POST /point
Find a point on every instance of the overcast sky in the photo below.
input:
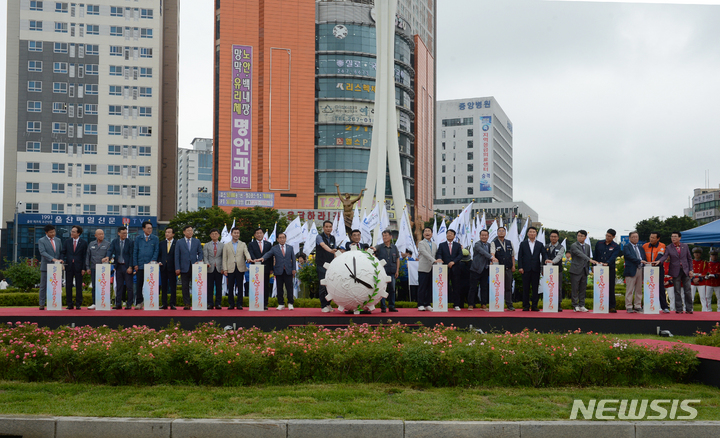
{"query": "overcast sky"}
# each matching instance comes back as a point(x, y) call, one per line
point(614, 106)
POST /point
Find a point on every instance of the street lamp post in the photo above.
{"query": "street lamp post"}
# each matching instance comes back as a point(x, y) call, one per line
point(15, 225)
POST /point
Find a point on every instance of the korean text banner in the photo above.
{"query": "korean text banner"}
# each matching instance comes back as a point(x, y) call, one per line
point(241, 118)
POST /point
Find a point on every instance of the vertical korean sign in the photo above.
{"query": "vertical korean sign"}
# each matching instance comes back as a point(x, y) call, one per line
point(199, 286)
point(551, 278)
point(652, 289)
point(257, 287)
point(497, 288)
point(102, 287)
point(241, 118)
point(439, 288)
point(151, 286)
point(601, 282)
point(54, 286)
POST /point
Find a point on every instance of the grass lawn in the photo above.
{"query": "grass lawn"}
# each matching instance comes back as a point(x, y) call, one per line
point(325, 401)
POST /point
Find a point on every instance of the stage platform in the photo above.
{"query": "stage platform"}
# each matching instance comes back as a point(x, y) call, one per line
point(621, 322)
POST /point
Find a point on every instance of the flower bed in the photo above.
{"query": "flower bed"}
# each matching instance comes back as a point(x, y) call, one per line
point(439, 356)
point(712, 339)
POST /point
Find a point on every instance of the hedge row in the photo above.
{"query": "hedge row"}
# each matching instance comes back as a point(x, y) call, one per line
point(439, 356)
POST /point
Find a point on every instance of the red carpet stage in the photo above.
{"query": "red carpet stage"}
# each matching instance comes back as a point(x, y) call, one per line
point(621, 322)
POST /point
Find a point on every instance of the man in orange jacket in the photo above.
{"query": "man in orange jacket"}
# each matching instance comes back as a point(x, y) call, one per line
point(655, 249)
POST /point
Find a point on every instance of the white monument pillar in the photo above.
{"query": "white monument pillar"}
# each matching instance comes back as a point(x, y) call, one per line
point(384, 149)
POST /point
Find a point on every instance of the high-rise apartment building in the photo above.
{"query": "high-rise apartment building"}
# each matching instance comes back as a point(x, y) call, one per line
point(91, 114)
point(195, 171)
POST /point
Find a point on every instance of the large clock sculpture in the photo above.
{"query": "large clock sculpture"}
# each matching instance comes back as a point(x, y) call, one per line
point(356, 280)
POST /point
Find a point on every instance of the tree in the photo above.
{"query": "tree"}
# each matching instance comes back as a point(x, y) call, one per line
point(664, 227)
point(202, 222)
point(247, 219)
point(23, 275)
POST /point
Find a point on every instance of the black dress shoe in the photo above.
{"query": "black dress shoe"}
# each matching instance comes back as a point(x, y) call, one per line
point(559, 309)
point(186, 308)
point(689, 311)
point(526, 309)
point(231, 307)
point(535, 309)
point(383, 310)
point(117, 307)
point(612, 310)
point(69, 308)
point(511, 309)
point(164, 308)
point(239, 307)
point(42, 307)
point(128, 308)
point(265, 308)
point(172, 307)
point(678, 311)
point(218, 307)
point(392, 309)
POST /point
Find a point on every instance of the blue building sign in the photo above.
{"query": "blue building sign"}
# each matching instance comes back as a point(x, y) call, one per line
point(84, 220)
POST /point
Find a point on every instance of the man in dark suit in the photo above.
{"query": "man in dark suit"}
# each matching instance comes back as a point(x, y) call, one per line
point(284, 269)
point(680, 270)
point(257, 249)
point(74, 251)
point(451, 253)
point(188, 251)
point(50, 252)
point(579, 271)
point(531, 257)
point(479, 272)
point(168, 278)
point(121, 250)
point(634, 261)
point(555, 252)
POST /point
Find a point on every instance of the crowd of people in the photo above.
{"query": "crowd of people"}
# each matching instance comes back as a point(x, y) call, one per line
point(469, 274)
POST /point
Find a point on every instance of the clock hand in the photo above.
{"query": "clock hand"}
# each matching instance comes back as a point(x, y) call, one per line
point(363, 283)
point(351, 273)
point(354, 267)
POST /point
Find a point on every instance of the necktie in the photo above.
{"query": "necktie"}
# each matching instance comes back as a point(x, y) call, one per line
point(146, 237)
point(52, 241)
point(74, 245)
point(188, 243)
point(120, 257)
point(637, 252)
point(283, 250)
point(168, 246)
point(450, 247)
point(215, 249)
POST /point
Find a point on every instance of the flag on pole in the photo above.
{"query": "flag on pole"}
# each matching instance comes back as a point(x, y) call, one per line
point(435, 230)
point(294, 234)
point(356, 219)
point(493, 231)
point(442, 232)
point(224, 235)
point(369, 223)
point(273, 236)
point(382, 225)
point(405, 238)
point(339, 229)
point(483, 224)
point(227, 235)
point(501, 222)
point(512, 236)
point(541, 236)
point(521, 235)
point(312, 234)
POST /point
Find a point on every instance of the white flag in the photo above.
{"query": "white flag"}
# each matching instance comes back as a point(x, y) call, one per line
point(356, 219)
point(442, 232)
point(310, 240)
point(435, 230)
point(564, 244)
point(501, 222)
point(493, 231)
point(521, 235)
point(405, 238)
point(294, 234)
point(512, 236)
point(339, 230)
point(383, 225)
point(369, 223)
point(273, 236)
point(227, 235)
point(541, 236)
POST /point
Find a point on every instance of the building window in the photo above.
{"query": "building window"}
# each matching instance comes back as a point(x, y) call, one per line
point(469, 190)
point(60, 87)
point(146, 13)
point(32, 207)
point(145, 131)
point(34, 126)
point(34, 106)
point(144, 170)
point(92, 49)
point(60, 67)
point(443, 192)
point(57, 208)
point(58, 167)
point(116, 70)
point(35, 86)
point(470, 144)
point(91, 169)
point(91, 109)
point(61, 27)
point(143, 190)
point(113, 189)
point(146, 72)
point(36, 5)
point(93, 29)
point(32, 187)
point(116, 31)
point(59, 108)
point(59, 148)
point(89, 189)
point(115, 90)
point(113, 169)
point(35, 66)
point(470, 179)
point(469, 132)
point(146, 33)
point(443, 180)
point(32, 146)
point(145, 52)
point(91, 89)
point(145, 91)
point(145, 111)
point(93, 10)
point(116, 11)
point(114, 130)
point(91, 69)
point(143, 210)
point(145, 151)
point(115, 110)
point(469, 167)
point(469, 155)
point(443, 168)
point(35, 46)
point(113, 209)
point(60, 48)
point(58, 188)
point(114, 149)
point(59, 128)
point(88, 209)
point(36, 25)
point(443, 157)
point(116, 51)
point(61, 7)
point(91, 129)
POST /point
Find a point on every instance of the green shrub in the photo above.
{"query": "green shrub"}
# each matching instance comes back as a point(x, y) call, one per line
point(22, 275)
point(712, 339)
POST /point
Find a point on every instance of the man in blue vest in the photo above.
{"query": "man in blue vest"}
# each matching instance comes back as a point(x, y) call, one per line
point(503, 253)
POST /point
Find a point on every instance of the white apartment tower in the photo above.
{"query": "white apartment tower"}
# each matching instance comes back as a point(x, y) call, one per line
point(474, 153)
point(91, 108)
point(195, 175)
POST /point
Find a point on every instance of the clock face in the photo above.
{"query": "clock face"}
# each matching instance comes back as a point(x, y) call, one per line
point(340, 31)
point(348, 293)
